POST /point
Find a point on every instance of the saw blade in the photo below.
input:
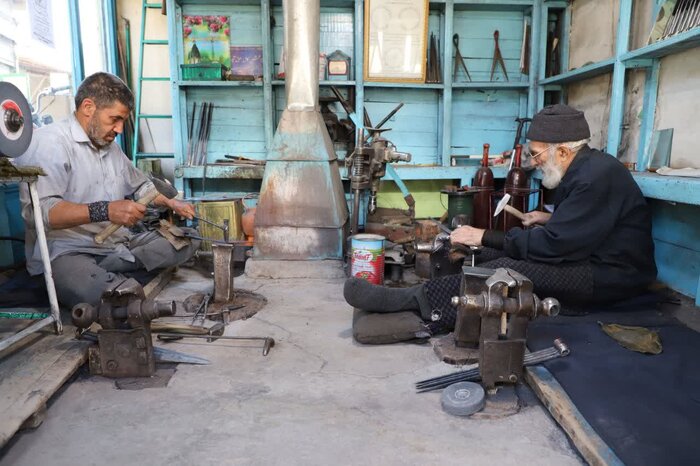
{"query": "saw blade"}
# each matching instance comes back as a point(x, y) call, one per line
point(15, 121)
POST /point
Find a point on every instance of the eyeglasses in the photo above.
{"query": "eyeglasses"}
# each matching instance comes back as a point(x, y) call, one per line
point(532, 156)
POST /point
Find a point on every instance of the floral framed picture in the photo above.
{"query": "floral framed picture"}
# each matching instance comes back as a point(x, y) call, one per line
point(206, 39)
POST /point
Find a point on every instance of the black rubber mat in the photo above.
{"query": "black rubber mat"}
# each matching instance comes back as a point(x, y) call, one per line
point(645, 407)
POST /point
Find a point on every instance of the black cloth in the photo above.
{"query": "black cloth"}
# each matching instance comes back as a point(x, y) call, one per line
point(558, 123)
point(571, 283)
point(645, 407)
point(600, 216)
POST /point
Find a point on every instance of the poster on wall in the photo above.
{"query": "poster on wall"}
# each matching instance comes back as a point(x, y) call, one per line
point(206, 39)
point(396, 33)
point(40, 21)
point(246, 60)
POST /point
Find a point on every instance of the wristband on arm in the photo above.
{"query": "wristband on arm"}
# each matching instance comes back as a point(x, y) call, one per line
point(99, 211)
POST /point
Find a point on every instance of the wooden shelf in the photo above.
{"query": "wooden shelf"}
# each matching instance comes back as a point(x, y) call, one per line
point(491, 85)
point(405, 85)
point(579, 74)
point(678, 43)
point(219, 83)
point(249, 172)
point(683, 189)
point(407, 172)
point(493, 5)
point(280, 82)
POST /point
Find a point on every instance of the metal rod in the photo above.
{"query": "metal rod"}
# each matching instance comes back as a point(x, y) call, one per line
point(9, 341)
point(559, 349)
point(269, 341)
point(391, 114)
point(45, 258)
point(354, 226)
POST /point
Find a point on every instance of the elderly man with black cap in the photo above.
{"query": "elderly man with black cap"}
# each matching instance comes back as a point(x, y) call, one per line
point(595, 247)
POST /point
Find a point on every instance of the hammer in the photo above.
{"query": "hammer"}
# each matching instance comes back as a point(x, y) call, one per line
point(503, 205)
point(160, 187)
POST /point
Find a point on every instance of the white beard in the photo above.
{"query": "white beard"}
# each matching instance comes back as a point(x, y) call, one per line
point(552, 173)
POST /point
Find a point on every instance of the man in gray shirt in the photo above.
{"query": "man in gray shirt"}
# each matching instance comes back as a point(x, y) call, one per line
point(88, 178)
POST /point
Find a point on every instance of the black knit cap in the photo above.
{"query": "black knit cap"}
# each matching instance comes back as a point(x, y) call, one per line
point(558, 123)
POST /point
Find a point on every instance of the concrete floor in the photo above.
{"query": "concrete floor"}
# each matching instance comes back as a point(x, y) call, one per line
point(318, 398)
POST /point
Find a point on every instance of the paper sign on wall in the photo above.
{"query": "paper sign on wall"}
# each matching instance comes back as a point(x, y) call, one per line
point(40, 21)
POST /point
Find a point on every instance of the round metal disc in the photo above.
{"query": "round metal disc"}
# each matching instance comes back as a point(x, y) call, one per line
point(14, 137)
point(463, 399)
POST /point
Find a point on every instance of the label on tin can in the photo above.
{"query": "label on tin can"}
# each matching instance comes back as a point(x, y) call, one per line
point(368, 264)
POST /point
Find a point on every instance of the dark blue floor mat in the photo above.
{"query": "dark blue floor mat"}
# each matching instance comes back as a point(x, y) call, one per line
point(645, 407)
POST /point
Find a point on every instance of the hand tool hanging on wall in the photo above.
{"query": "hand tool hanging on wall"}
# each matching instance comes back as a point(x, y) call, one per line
point(459, 60)
point(190, 135)
point(497, 57)
point(434, 73)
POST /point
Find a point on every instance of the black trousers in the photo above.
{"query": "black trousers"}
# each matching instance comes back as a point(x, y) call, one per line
point(570, 283)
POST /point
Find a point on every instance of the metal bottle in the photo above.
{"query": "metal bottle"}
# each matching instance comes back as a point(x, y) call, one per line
point(517, 185)
point(483, 183)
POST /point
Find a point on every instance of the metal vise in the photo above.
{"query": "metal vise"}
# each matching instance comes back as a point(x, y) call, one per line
point(124, 345)
point(495, 314)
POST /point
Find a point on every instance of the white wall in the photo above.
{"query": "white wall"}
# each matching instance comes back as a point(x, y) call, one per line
point(593, 30)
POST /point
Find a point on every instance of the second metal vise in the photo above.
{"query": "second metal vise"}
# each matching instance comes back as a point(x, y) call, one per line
point(124, 345)
point(494, 314)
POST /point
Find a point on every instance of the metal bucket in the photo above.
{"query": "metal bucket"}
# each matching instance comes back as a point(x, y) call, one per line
point(217, 211)
point(367, 258)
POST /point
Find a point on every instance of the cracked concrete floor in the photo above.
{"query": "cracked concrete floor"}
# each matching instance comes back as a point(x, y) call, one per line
point(318, 398)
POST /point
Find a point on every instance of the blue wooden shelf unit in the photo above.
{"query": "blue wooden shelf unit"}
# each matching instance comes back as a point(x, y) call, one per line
point(438, 120)
point(674, 200)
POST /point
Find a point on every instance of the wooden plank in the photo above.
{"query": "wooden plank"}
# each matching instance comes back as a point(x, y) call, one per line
point(593, 449)
point(29, 377)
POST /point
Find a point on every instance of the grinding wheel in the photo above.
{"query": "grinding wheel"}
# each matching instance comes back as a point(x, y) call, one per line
point(15, 121)
point(463, 399)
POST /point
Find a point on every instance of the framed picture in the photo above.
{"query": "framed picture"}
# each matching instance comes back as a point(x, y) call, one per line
point(206, 40)
point(246, 60)
point(396, 37)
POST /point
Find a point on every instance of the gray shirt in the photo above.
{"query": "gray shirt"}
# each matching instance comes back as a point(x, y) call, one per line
point(77, 172)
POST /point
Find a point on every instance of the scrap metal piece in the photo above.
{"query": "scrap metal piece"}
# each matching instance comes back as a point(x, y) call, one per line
point(268, 342)
point(223, 272)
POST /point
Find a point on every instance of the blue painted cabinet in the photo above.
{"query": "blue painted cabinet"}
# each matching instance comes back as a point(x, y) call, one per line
point(437, 120)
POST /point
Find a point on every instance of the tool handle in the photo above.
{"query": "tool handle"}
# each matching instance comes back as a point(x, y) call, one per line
point(513, 211)
point(109, 231)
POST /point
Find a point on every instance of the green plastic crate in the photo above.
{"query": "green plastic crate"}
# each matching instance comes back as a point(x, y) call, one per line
point(202, 72)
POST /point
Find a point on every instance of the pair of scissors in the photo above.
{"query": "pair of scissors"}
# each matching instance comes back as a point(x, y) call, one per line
point(458, 60)
point(497, 57)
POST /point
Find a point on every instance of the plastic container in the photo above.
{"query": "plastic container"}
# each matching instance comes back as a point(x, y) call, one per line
point(202, 72)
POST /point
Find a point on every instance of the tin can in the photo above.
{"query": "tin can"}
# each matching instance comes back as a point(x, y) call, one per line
point(367, 258)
